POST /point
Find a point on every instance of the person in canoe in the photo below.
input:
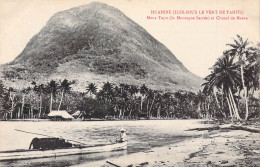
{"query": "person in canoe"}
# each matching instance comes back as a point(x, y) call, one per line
point(122, 136)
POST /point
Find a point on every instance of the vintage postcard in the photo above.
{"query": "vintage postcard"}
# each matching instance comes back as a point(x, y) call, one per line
point(129, 83)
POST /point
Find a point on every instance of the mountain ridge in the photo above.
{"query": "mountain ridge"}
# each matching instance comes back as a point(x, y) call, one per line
point(99, 39)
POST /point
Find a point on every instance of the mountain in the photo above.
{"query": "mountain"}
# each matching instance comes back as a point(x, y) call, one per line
point(98, 43)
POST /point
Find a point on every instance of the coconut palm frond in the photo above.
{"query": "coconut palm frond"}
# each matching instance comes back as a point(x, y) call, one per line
point(237, 43)
point(233, 45)
point(240, 39)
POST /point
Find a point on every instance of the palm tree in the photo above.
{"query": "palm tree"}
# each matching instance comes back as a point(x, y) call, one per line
point(179, 100)
point(133, 90)
point(12, 99)
point(151, 94)
point(31, 99)
point(52, 87)
point(252, 70)
point(190, 98)
point(225, 74)
point(3, 101)
point(92, 89)
point(39, 89)
point(201, 97)
point(65, 86)
point(107, 90)
point(166, 100)
point(124, 98)
point(159, 105)
point(24, 92)
point(241, 50)
point(143, 90)
point(118, 101)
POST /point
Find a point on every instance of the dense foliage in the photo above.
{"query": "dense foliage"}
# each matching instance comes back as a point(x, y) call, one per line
point(118, 101)
point(235, 77)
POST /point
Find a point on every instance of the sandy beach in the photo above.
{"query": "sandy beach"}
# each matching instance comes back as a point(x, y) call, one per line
point(222, 147)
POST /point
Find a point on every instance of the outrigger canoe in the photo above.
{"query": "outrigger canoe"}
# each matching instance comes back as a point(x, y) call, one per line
point(35, 153)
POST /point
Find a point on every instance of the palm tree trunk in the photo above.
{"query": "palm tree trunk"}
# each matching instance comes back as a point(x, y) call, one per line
point(222, 97)
point(244, 88)
point(51, 102)
point(215, 95)
point(12, 109)
point(120, 113)
point(167, 112)
point(159, 111)
point(18, 113)
point(40, 112)
point(151, 106)
point(11, 96)
point(61, 100)
point(130, 112)
point(229, 107)
point(22, 105)
point(147, 109)
point(124, 112)
point(31, 107)
point(198, 107)
point(141, 104)
point(30, 111)
point(234, 104)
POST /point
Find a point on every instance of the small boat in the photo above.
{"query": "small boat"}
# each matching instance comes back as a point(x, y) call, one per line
point(36, 153)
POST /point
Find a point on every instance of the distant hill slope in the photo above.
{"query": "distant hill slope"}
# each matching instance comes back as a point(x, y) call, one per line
point(98, 43)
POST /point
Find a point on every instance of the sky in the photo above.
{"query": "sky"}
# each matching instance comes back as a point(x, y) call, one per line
point(196, 43)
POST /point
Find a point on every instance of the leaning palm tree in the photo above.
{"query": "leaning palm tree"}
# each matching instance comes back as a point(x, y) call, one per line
point(225, 74)
point(242, 51)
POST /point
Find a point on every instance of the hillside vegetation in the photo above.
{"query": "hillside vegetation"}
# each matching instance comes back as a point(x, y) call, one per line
point(99, 40)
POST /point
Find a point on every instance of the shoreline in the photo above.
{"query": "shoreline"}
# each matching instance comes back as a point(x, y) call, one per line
point(214, 148)
point(168, 155)
point(217, 145)
point(90, 120)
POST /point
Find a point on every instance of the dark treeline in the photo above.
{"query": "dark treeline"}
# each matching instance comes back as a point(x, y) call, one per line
point(228, 93)
point(121, 101)
point(118, 101)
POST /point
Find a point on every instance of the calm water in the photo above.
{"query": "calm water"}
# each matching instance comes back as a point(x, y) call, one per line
point(141, 136)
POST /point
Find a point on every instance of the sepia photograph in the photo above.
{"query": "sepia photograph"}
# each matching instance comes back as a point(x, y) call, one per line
point(129, 83)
